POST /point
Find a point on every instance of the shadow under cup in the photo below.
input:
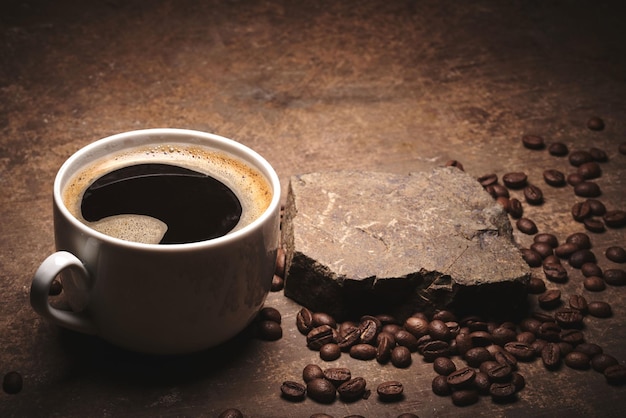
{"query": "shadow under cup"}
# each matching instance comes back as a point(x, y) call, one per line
point(163, 298)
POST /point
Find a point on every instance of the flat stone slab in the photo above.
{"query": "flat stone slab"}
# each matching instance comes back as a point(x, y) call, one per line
point(366, 242)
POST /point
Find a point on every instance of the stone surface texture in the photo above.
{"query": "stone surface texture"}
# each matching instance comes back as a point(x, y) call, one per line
point(423, 241)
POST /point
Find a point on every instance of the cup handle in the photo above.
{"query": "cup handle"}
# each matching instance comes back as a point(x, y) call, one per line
point(40, 288)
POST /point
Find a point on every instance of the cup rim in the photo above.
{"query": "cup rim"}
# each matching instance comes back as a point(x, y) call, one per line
point(260, 164)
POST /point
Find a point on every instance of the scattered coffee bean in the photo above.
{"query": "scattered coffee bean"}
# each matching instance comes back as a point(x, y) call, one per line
point(278, 283)
point(337, 375)
point(599, 309)
point(555, 272)
point(502, 392)
point(465, 397)
point(269, 330)
point(440, 386)
point(533, 194)
point(580, 257)
point(444, 366)
point(577, 360)
point(600, 362)
point(590, 170)
point(587, 189)
point(516, 210)
point(293, 391)
point(536, 286)
point(554, 178)
point(534, 142)
point(595, 124)
point(390, 391)
point(320, 336)
point(488, 179)
point(580, 239)
point(568, 318)
point(580, 211)
point(312, 371)
point(594, 284)
point(599, 155)
point(578, 302)
point(500, 373)
point(615, 218)
point(416, 326)
point(616, 254)
point(597, 207)
point(572, 337)
point(544, 249)
point(574, 179)
point(363, 352)
point(558, 149)
point(546, 238)
point(321, 390)
point(330, 352)
point(352, 390)
point(401, 357)
point(515, 180)
point(439, 330)
point(270, 314)
point(594, 225)
point(481, 383)
point(551, 356)
point(497, 190)
point(455, 163)
point(616, 374)
point(526, 226)
point(550, 299)
point(321, 318)
point(231, 413)
point(461, 378)
point(591, 269)
point(12, 383)
point(304, 321)
point(476, 355)
point(532, 258)
point(590, 349)
point(577, 158)
point(521, 351)
point(615, 277)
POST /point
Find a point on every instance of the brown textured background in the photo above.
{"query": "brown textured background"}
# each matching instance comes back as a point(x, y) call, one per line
point(313, 86)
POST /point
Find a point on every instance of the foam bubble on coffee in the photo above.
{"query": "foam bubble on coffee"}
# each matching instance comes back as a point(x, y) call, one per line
point(138, 228)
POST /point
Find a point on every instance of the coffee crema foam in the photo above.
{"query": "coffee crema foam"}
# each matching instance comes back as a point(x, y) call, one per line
point(250, 186)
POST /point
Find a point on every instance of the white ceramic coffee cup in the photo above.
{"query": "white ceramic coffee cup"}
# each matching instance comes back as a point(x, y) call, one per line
point(152, 298)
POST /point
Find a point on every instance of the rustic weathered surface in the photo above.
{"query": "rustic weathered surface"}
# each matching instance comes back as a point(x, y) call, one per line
point(358, 242)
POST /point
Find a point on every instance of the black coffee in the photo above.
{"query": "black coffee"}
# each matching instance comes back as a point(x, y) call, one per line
point(194, 206)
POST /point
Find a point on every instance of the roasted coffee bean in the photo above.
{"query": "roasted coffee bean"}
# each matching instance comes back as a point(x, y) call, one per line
point(594, 284)
point(555, 272)
point(615, 277)
point(363, 352)
point(587, 189)
point(500, 373)
point(616, 254)
point(577, 360)
point(572, 336)
point(615, 218)
point(406, 339)
point(270, 314)
point(488, 179)
point(476, 355)
point(439, 330)
point(369, 328)
point(407, 415)
point(444, 315)
point(549, 331)
point(551, 259)
point(384, 348)
point(531, 257)
point(516, 210)
point(566, 249)
point(544, 249)
point(481, 338)
point(444, 366)
point(293, 391)
point(390, 329)
point(599, 309)
point(503, 335)
point(504, 357)
point(590, 170)
point(574, 179)
point(521, 351)
point(622, 148)
point(497, 190)
point(542, 316)
point(515, 180)
point(599, 155)
point(534, 142)
point(12, 383)
point(580, 257)
point(278, 283)
point(590, 349)
point(337, 375)
point(312, 371)
point(321, 318)
point(330, 352)
point(565, 348)
point(348, 338)
point(579, 157)
point(594, 225)
point(536, 286)
point(320, 336)
point(481, 383)
point(551, 356)
point(505, 202)
point(269, 330)
point(550, 299)
point(455, 163)
point(580, 211)
point(321, 390)
point(461, 378)
point(390, 391)
point(525, 337)
point(231, 413)
point(386, 319)
point(352, 390)
point(578, 302)
point(304, 321)
point(502, 392)
point(558, 149)
point(595, 124)
point(591, 269)
point(440, 386)
point(530, 325)
point(463, 343)
point(401, 357)
point(526, 226)
point(464, 397)
point(615, 375)
point(533, 194)
point(568, 318)
point(416, 326)
point(546, 238)
point(554, 178)
point(538, 345)
point(580, 239)
point(597, 207)
point(600, 362)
